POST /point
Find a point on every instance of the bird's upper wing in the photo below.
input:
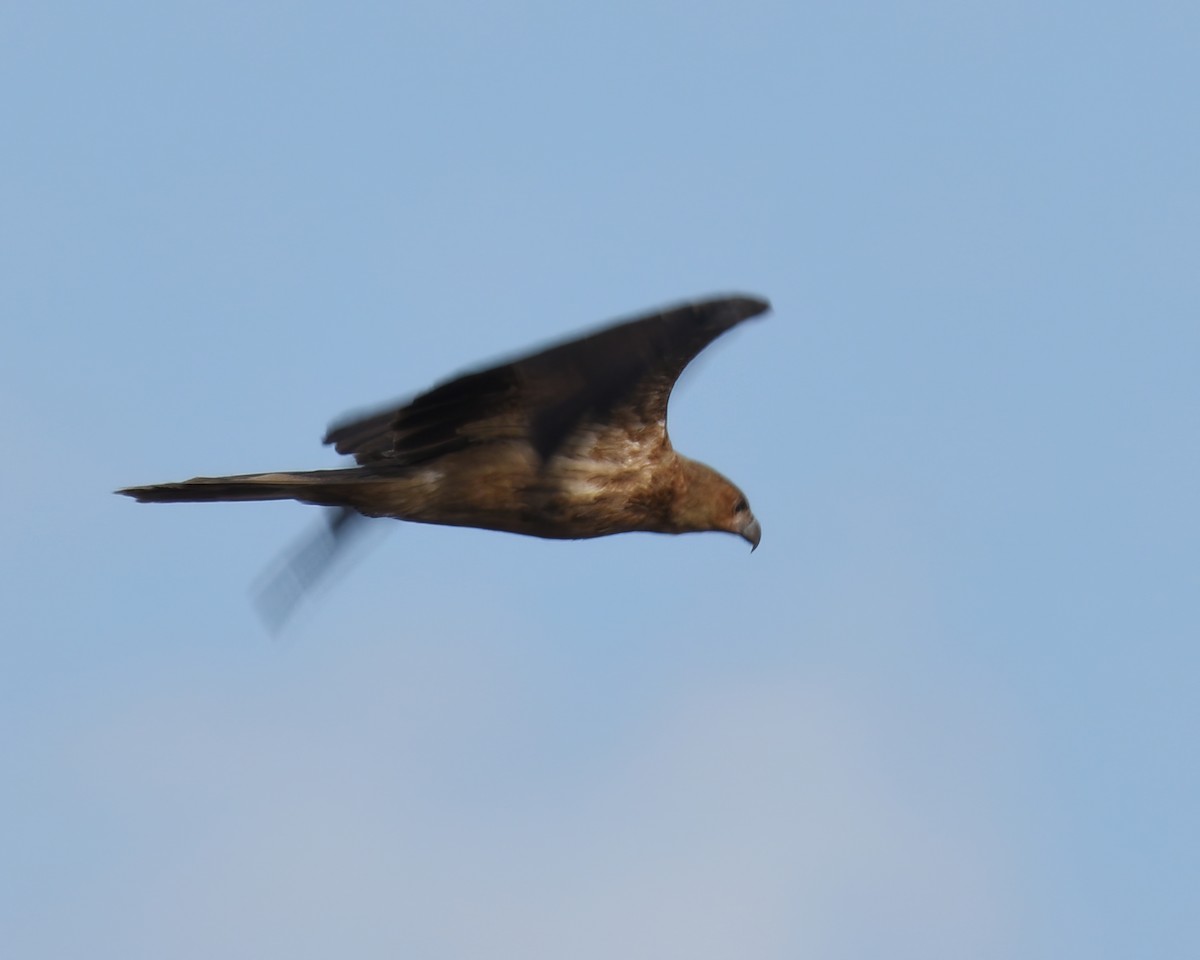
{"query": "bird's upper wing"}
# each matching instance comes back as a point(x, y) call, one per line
point(628, 368)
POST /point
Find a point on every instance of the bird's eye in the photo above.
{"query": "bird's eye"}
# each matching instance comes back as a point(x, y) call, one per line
point(741, 505)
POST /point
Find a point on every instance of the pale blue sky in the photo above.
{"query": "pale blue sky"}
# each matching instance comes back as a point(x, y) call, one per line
point(949, 708)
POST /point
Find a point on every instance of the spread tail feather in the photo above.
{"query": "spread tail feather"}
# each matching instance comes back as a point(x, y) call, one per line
point(327, 487)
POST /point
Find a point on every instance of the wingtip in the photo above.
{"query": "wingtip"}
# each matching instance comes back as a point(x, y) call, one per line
point(742, 305)
point(754, 305)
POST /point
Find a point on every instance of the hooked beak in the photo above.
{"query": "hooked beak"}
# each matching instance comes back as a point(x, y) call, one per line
point(752, 532)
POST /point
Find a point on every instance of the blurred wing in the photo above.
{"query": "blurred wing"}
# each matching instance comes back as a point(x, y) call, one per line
point(545, 396)
point(282, 587)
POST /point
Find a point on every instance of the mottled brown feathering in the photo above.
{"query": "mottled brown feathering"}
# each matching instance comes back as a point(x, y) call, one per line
point(566, 443)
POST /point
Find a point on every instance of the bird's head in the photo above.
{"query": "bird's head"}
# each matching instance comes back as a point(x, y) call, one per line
point(708, 501)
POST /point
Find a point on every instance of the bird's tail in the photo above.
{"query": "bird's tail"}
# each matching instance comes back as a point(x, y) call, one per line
point(328, 487)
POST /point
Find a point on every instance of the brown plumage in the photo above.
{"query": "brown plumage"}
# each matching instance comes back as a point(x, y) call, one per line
point(566, 443)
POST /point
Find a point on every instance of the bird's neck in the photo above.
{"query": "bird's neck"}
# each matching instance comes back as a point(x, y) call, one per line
point(697, 487)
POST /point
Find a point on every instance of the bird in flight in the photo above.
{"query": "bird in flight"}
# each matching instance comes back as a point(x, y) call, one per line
point(566, 443)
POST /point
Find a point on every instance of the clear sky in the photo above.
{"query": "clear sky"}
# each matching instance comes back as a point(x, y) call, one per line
point(948, 709)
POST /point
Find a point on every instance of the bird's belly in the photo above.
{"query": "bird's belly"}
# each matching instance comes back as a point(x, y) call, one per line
point(565, 499)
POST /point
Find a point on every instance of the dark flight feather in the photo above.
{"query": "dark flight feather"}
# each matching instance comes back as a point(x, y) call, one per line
point(544, 396)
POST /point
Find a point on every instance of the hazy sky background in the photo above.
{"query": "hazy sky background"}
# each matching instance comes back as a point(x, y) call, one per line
point(948, 709)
